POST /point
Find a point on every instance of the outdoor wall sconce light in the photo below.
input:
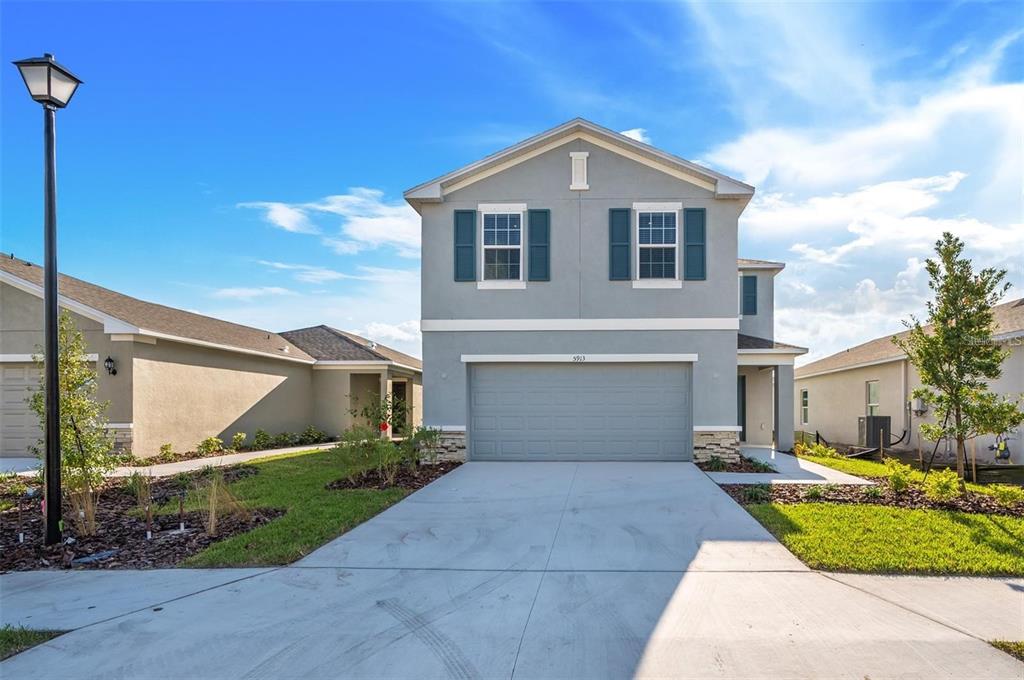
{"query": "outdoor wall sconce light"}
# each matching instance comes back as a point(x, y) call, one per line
point(109, 365)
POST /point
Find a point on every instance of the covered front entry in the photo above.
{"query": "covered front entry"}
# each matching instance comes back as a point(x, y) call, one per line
point(580, 411)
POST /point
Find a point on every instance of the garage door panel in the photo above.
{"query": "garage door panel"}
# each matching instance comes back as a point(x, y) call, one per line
point(19, 425)
point(581, 412)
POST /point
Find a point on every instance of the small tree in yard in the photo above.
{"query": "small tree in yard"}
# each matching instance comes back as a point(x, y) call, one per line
point(86, 449)
point(955, 355)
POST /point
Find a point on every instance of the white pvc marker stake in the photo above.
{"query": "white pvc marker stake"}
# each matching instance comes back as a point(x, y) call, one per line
point(21, 537)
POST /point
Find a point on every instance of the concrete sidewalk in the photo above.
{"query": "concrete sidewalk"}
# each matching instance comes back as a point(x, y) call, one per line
point(527, 570)
point(789, 469)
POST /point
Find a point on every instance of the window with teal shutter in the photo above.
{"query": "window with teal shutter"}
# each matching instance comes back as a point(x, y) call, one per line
point(538, 243)
point(749, 295)
point(694, 244)
point(465, 245)
point(618, 244)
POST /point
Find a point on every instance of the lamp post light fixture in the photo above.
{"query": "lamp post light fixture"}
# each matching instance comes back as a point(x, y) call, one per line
point(51, 85)
point(110, 366)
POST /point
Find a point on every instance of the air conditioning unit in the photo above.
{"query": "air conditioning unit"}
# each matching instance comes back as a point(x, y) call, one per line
point(873, 431)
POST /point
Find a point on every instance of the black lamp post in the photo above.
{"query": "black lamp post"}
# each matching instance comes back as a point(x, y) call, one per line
point(51, 85)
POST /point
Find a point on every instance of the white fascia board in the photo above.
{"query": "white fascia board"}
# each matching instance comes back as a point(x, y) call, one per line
point(30, 358)
point(647, 324)
point(110, 324)
point(717, 428)
point(340, 364)
point(216, 345)
point(796, 351)
point(852, 367)
point(581, 358)
point(769, 267)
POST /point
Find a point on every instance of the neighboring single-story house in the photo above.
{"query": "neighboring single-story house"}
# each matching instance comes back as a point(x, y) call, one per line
point(179, 377)
point(876, 378)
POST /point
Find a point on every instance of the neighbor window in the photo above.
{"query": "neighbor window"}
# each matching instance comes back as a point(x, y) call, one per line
point(872, 409)
point(656, 241)
point(805, 408)
point(503, 246)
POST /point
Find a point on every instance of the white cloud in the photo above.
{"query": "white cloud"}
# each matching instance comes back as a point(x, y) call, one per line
point(285, 216)
point(367, 221)
point(403, 332)
point(639, 134)
point(242, 293)
point(307, 273)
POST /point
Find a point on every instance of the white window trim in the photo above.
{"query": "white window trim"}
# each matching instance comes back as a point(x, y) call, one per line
point(581, 358)
point(805, 406)
point(676, 282)
point(579, 181)
point(867, 396)
point(502, 209)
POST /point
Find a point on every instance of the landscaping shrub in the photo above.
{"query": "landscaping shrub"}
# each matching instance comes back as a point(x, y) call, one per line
point(238, 441)
point(216, 500)
point(760, 465)
point(422, 443)
point(210, 445)
point(872, 491)
point(1006, 495)
point(942, 485)
point(311, 435)
point(262, 440)
point(757, 493)
point(716, 464)
point(368, 445)
point(813, 492)
point(899, 476)
point(284, 440)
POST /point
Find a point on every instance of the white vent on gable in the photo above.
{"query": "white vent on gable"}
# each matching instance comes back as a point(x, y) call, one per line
point(579, 170)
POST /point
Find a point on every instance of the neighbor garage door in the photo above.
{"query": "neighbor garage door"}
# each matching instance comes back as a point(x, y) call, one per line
point(580, 412)
point(19, 426)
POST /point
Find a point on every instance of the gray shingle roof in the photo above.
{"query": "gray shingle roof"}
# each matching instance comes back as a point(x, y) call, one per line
point(330, 344)
point(1009, 318)
point(158, 318)
point(754, 342)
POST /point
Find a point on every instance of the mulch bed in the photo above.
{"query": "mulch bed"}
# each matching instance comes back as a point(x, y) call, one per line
point(371, 479)
point(120, 541)
point(852, 494)
point(743, 465)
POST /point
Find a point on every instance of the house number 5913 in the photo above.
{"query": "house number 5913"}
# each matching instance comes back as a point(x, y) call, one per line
point(579, 358)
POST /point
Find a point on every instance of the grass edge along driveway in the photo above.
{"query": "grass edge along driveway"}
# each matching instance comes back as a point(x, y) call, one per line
point(14, 640)
point(295, 482)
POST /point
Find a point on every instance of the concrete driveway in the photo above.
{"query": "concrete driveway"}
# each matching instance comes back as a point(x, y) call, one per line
point(530, 570)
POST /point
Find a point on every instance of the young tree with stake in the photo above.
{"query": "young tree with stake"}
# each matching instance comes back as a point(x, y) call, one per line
point(955, 355)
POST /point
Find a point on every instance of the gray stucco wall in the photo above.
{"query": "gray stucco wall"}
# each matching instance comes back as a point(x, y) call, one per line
point(714, 373)
point(762, 324)
point(579, 286)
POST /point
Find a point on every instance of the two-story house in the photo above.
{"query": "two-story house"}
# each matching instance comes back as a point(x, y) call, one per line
point(582, 300)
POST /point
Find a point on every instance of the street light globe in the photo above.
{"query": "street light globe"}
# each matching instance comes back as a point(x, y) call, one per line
point(48, 82)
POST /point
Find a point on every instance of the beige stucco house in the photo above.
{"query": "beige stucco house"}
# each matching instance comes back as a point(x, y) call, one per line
point(875, 378)
point(180, 377)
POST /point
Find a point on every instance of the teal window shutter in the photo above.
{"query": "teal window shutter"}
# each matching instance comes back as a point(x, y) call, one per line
point(465, 245)
point(539, 245)
point(749, 295)
point(695, 244)
point(619, 244)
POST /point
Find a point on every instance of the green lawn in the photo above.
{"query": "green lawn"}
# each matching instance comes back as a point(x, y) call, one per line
point(873, 468)
point(295, 482)
point(879, 539)
point(14, 640)
point(1013, 648)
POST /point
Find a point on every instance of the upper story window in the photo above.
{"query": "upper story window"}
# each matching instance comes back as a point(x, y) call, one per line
point(656, 245)
point(503, 246)
point(805, 407)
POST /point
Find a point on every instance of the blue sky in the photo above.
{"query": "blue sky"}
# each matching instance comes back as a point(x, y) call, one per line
point(246, 160)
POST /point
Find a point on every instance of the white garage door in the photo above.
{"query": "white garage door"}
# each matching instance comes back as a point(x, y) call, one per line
point(580, 412)
point(19, 425)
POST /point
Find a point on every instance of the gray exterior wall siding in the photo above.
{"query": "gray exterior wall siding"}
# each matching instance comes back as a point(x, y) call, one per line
point(762, 324)
point(714, 373)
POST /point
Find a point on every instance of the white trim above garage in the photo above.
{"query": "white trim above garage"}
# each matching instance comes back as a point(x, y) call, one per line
point(23, 358)
point(648, 324)
point(717, 428)
point(577, 358)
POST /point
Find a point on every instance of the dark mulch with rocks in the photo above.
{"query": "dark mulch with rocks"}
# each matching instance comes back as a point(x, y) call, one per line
point(744, 464)
point(847, 494)
point(120, 541)
point(406, 479)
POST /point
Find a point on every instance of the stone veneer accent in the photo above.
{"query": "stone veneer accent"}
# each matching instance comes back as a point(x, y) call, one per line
point(453, 446)
point(722, 443)
point(122, 438)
